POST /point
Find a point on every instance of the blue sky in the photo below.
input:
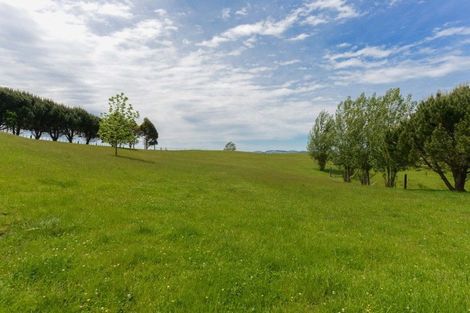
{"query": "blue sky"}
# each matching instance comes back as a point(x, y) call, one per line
point(253, 72)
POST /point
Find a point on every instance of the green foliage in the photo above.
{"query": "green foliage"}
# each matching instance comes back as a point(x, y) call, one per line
point(73, 120)
point(390, 151)
point(369, 134)
point(10, 120)
point(230, 146)
point(118, 126)
point(346, 138)
point(16, 109)
point(440, 135)
point(56, 120)
point(321, 139)
point(149, 132)
point(361, 126)
point(89, 126)
point(20, 110)
point(37, 124)
point(200, 231)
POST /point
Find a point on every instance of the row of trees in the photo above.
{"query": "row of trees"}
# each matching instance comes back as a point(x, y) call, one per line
point(22, 111)
point(390, 133)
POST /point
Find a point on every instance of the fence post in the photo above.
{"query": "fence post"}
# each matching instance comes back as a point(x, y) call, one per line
point(406, 181)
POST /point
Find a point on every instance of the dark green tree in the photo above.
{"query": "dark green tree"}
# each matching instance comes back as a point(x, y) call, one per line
point(10, 120)
point(39, 113)
point(149, 132)
point(230, 146)
point(56, 120)
point(73, 122)
point(89, 126)
point(440, 135)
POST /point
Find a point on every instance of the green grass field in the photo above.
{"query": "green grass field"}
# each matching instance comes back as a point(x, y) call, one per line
point(191, 231)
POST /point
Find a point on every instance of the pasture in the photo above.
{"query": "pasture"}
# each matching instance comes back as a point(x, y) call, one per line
point(208, 231)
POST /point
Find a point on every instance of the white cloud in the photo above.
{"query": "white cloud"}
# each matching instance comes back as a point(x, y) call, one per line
point(451, 31)
point(200, 97)
point(341, 6)
point(393, 2)
point(226, 13)
point(195, 98)
point(402, 71)
point(270, 27)
point(315, 20)
point(372, 52)
point(417, 60)
point(300, 37)
point(344, 45)
point(290, 62)
point(242, 12)
point(114, 9)
point(263, 28)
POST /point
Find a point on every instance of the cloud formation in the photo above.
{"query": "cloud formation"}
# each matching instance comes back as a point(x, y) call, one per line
point(329, 10)
point(237, 73)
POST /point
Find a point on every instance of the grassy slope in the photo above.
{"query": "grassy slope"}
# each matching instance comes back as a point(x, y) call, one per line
point(82, 230)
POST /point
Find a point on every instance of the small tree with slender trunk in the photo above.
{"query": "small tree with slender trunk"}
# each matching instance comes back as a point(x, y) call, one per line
point(117, 127)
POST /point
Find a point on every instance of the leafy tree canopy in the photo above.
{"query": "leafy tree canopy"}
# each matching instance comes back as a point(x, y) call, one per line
point(230, 146)
point(117, 127)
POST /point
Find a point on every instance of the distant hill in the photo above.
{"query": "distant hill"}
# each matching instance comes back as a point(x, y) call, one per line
point(280, 151)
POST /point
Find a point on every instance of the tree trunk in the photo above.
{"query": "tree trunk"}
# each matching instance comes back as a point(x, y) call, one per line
point(54, 135)
point(347, 173)
point(436, 168)
point(446, 181)
point(115, 150)
point(460, 177)
point(37, 134)
point(322, 164)
point(87, 140)
point(365, 177)
point(390, 177)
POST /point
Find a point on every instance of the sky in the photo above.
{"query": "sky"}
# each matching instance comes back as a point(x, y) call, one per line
point(253, 72)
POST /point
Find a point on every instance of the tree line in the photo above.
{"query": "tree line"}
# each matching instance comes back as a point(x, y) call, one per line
point(390, 133)
point(22, 111)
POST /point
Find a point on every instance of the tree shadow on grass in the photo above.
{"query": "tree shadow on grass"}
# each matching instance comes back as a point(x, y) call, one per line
point(135, 159)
